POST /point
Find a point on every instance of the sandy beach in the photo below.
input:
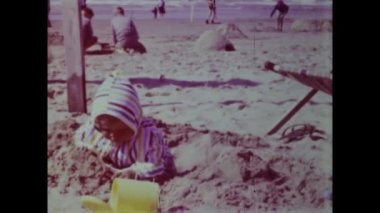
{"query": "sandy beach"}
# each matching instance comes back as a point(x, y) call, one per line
point(214, 109)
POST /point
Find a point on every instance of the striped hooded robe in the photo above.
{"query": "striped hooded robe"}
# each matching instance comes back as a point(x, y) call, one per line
point(117, 97)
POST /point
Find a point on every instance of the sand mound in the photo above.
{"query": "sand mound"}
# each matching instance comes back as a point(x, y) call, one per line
point(82, 169)
point(227, 172)
point(218, 39)
point(222, 170)
point(311, 26)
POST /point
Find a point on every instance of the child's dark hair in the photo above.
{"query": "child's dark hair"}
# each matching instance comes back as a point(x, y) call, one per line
point(88, 12)
point(119, 10)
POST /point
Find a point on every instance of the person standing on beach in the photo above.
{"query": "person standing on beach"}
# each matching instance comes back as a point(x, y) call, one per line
point(125, 35)
point(159, 9)
point(122, 137)
point(212, 10)
point(155, 12)
point(87, 33)
point(283, 9)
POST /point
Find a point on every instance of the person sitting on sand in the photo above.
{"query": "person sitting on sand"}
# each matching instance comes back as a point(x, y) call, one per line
point(82, 4)
point(87, 33)
point(122, 136)
point(125, 35)
point(212, 10)
point(283, 9)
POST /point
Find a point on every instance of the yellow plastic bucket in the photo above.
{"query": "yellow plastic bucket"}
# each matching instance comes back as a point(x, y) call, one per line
point(127, 196)
point(133, 196)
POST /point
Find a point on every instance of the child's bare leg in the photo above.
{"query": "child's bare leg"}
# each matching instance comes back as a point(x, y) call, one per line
point(213, 15)
point(209, 17)
point(280, 22)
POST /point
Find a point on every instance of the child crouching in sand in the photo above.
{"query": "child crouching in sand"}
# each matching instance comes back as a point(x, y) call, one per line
point(123, 138)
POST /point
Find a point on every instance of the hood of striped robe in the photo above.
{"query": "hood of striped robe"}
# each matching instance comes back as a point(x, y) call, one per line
point(118, 98)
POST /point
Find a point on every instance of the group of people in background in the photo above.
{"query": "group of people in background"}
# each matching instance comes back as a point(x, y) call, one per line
point(281, 7)
point(124, 32)
point(159, 9)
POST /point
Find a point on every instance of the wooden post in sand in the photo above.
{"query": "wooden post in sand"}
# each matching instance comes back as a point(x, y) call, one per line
point(293, 111)
point(72, 33)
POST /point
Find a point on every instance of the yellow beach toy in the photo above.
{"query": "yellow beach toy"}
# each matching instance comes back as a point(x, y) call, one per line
point(96, 205)
point(127, 196)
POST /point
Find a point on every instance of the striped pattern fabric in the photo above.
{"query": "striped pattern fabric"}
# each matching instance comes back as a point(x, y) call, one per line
point(117, 97)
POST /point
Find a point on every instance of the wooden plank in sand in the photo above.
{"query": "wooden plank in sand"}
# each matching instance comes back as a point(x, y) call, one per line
point(76, 90)
point(293, 111)
point(317, 82)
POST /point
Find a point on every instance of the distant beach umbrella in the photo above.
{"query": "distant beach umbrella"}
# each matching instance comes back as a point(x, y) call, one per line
point(217, 39)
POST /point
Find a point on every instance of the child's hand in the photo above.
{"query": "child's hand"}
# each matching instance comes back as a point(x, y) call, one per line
point(128, 174)
point(142, 168)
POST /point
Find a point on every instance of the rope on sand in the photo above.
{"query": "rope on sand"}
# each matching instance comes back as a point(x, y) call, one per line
point(299, 131)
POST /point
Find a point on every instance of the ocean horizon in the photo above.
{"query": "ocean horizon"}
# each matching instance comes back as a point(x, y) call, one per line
point(226, 10)
point(218, 2)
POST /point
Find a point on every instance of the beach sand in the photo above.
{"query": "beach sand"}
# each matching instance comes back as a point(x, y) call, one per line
point(214, 109)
